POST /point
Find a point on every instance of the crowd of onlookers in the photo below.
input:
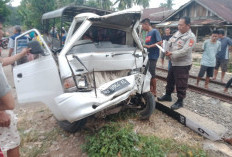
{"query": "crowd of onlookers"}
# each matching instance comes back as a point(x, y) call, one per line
point(178, 50)
point(215, 55)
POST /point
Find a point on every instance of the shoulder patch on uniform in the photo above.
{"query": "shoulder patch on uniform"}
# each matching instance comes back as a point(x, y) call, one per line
point(191, 42)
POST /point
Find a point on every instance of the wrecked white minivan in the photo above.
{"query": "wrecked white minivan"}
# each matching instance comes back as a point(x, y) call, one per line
point(101, 69)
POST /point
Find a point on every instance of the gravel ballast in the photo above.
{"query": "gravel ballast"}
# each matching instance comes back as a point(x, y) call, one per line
point(206, 106)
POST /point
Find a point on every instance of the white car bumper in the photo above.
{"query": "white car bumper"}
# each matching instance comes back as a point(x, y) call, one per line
point(78, 105)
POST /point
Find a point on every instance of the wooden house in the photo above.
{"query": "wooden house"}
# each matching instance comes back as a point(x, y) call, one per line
point(156, 15)
point(205, 15)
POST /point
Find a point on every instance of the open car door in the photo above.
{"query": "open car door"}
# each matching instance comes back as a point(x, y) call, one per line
point(36, 79)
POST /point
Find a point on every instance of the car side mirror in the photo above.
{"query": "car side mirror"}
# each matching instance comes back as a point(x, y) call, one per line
point(35, 47)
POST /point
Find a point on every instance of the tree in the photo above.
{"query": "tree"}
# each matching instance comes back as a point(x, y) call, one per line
point(144, 3)
point(106, 4)
point(93, 3)
point(31, 11)
point(169, 4)
point(79, 2)
point(124, 4)
point(4, 11)
point(14, 18)
point(102, 4)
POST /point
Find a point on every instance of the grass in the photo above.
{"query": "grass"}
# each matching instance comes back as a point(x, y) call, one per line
point(31, 143)
point(230, 67)
point(196, 64)
point(122, 115)
point(114, 139)
point(117, 140)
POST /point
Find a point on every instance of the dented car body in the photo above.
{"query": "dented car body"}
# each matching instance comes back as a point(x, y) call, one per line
point(101, 65)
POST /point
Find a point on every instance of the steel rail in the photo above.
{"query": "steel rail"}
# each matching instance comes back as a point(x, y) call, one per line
point(195, 77)
point(208, 92)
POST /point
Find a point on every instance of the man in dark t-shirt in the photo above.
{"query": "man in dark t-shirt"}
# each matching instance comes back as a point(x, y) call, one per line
point(222, 57)
point(153, 37)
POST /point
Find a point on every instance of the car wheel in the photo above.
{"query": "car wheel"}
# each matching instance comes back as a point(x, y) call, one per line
point(72, 127)
point(148, 105)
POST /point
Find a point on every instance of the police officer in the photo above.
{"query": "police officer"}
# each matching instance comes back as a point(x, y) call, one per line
point(180, 54)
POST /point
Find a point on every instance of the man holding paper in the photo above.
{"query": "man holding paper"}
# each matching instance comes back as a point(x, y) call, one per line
point(165, 39)
point(153, 39)
point(180, 54)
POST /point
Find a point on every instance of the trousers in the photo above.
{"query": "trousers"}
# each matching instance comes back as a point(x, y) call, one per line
point(178, 75)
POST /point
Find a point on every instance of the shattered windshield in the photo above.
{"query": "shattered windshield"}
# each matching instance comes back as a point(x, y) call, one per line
point(99, 39)
point(100, 34)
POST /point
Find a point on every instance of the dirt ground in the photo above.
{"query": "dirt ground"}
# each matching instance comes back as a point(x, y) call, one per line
point(40, 132)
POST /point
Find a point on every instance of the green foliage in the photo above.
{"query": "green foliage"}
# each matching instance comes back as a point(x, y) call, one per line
point(14, 18)
point(31, 11)
point(230, 67)
point(124, 4)
point(79, 2)
point(115, 140)
point(101, 4)
point(106, 4)
point(144, 3)
point(122, 115)
point(93, 3)
point(4, 11)
point(169, 4)
point(111, 140)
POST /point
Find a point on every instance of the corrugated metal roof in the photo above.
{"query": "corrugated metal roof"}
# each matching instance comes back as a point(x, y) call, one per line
point(205, 22)
point(193, 23)
point(168, 24)
point(222, 8)
point(156, 14)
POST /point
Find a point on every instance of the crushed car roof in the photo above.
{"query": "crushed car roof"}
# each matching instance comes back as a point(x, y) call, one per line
point(123, 18)
point(69, 12)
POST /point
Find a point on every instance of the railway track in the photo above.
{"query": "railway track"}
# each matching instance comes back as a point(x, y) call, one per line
point(208, 92)
point(195, 77)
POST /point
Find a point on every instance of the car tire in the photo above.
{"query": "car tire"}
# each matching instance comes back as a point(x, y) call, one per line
point(72, 127)
point(148, 107)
